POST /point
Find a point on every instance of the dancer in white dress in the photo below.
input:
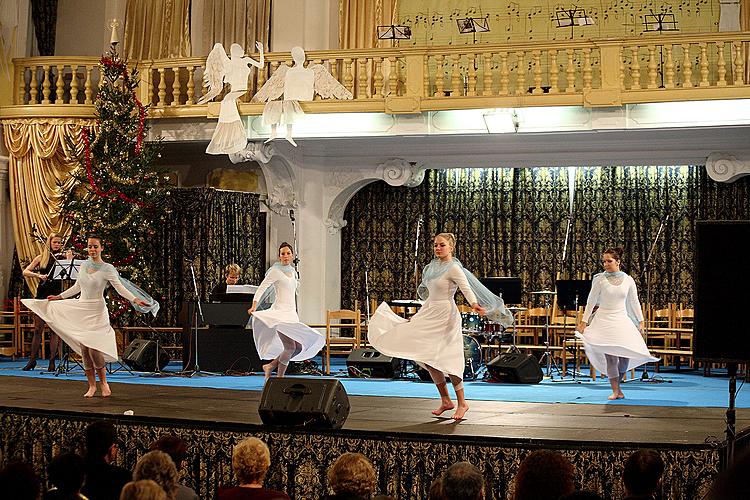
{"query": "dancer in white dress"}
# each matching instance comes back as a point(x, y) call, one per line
point(433, 337)
point(277, 330)
point(84, 323)
point(613, 338)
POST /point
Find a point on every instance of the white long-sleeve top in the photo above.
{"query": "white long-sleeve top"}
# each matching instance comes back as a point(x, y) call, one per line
point(91, 285)
point(613, 297)
point(285, 287)
point(445, 286)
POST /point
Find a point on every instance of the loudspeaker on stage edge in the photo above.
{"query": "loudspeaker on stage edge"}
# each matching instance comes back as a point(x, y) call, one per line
point(369, 362)
point(515, 367)
point(140, 356)
point(311, 403)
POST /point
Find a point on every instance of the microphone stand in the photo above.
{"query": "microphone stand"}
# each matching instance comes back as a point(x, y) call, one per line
point(647, 272)
point(367, 293)
point(198, 313)
point(416, 251)
point(294, 241)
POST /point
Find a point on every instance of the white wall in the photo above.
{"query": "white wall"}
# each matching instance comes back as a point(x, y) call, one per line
point(81, 28)
point(311, 24)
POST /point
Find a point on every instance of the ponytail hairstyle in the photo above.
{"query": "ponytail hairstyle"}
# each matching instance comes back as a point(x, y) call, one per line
point(615, 252)
point(47, 251)
point(287, 245)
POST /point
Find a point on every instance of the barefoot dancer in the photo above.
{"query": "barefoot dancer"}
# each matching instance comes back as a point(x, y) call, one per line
point(613, 340)
point(277, 331)
point(84, 323)
point(433, 337)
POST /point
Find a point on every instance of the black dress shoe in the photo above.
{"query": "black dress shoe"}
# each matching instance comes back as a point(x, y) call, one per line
point(51, 366)
point(29, 366)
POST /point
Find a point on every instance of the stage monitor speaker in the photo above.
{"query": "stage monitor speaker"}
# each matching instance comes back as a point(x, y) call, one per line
point(722, 290)
point(306, 402)
point(140, 355)
point(515, 367)
point(371, 363)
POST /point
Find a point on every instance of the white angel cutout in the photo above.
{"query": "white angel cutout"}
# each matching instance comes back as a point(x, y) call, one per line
point(295, 84)
point(229, 135)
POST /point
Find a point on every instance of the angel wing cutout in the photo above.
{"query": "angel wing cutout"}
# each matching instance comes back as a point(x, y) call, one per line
point(274, 87)
point(327, 86)
point(217, 64)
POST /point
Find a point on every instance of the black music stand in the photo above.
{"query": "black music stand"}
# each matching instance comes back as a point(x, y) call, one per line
point(571, 294)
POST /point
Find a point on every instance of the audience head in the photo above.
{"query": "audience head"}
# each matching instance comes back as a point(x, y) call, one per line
point(19, 481)
point(145, 489)
point(173, 446)
point(463, 481)
point(436, 489)
point(544, 474)
point(353, 474)
point(733, 484)
point(101, 441)
point(251, 460)
point(642, 473)
point(157, 466)
point(67, 472)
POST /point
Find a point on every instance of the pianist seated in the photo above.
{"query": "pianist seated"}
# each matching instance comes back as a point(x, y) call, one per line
point(231, 277)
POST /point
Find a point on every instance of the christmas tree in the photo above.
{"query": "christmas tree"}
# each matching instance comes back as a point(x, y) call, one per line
point(120, 195)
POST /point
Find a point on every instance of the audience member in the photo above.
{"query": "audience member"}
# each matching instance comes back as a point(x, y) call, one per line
point(66, 473)
point(104, 480)
point(352, 477)
point(176, 448)
point(436, 489)
point(642, 474)
point(733, 483)
point(463, 481)
point(145, 489)
point(251, 460)
point(19, 481)
point(157, 466)
point(542, 475)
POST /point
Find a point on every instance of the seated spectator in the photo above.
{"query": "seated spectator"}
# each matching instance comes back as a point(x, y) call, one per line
point(351, 477)
point(642, 474)
point(251, 460)
point(436, 489)
point(157, 466)
point(463, 481)
point(19, 482)
point(733, 483)
point(104, 480)
point(145, 489)
point(176, 448)
point(66, 473)
point(544, 474)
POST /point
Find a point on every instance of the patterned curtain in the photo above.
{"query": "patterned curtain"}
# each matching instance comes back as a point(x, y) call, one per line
point(210, 229)
point(512, 222)
point(44, 17)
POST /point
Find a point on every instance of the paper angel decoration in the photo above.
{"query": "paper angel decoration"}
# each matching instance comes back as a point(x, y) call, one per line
point(229, 135)
point(295, 84)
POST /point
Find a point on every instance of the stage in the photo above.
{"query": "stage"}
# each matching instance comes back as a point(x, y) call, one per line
point(41, 413)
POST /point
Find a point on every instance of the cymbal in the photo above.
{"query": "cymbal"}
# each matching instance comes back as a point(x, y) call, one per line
point(544, 292)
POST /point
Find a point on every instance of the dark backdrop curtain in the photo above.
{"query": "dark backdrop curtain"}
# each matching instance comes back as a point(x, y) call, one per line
point(512, 222)
point(44, 17)
point(211, 229)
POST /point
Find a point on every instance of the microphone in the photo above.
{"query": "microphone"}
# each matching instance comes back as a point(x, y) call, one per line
point(291, 214)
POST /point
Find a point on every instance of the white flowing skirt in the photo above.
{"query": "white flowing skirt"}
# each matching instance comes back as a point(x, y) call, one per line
point(282, 112)
point(612, 332)
point(229, 135)
point(269, 324)
point(431, 337)
point(79, 322)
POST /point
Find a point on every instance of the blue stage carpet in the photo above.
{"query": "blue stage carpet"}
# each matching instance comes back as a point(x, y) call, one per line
point(687, 388)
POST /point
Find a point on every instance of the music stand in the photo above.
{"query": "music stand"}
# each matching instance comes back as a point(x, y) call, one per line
point(473, 25)
point(571, 294)
point(571, 18)
point(394, 32)
point(663, 21)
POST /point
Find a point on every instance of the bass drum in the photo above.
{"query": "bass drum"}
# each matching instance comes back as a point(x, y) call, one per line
point(472, 361)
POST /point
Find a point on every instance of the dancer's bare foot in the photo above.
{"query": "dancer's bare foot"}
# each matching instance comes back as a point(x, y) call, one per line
point(106, 391)
point(443, 407)
point(460, 412)
point(267, 369)
point(90, 393)
point(620, 395)
point(612, 396)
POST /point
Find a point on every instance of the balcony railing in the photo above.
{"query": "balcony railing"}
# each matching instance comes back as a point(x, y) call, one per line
point(607, 72)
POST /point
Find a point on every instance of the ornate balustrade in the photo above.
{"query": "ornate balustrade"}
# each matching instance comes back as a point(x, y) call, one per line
point(408, 80)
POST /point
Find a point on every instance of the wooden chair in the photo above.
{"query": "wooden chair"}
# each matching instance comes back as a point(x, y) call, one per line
point(7, 329)
point(24, 320)
point(339, 320)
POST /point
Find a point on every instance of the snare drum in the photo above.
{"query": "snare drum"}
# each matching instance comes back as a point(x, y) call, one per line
point(471, 321)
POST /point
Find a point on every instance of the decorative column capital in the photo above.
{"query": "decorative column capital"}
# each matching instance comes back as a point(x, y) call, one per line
point(254, 151)
point(727, 167)
point(399, 172)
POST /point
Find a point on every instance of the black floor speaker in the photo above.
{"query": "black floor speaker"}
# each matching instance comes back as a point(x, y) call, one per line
point(140, 355)
point(371, 363)
point(305, 402)
point(515, 367)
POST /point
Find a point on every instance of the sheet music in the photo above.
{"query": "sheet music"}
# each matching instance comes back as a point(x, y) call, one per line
point(66, 269)
point(242, 289)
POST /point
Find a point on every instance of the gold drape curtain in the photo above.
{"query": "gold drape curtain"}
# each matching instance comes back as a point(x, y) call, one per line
point(157, 29)
point(745, 26)
point(236, 21)
point(359, 19)
point(38, 172)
